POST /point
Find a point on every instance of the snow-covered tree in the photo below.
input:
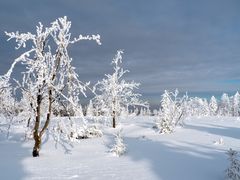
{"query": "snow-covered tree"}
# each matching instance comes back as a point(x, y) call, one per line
point(114, 94)
point(213, 106)
point(233, 171)
point(225, 105)
point(197, 107)
point(236, 104)
point(8, 104)
point(49, 75)
point(204, 107)
point(90, 109)
point(171, 112)
point(165, 122)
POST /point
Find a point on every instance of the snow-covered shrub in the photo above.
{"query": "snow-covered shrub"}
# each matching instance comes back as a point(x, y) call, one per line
point(67, 130)
point(119, 148)
point(89, 132)
point(233, 171)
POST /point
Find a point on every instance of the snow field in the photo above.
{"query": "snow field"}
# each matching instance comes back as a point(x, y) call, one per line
point(191, 152)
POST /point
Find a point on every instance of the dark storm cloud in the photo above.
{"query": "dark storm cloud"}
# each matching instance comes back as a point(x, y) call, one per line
point(189, 44)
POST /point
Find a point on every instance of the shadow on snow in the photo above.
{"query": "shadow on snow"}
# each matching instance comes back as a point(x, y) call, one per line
point(12, 154)
point(170, 161)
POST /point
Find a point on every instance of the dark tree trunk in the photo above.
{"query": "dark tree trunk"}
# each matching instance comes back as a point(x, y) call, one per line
point(37, 146)
point(36, 136)
point(114, 119)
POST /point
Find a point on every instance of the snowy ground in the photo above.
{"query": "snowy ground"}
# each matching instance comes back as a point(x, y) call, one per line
point(190, 153)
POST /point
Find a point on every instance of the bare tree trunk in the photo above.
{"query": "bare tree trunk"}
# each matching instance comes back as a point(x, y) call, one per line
point(38, 135)
point(37, 146)
point(114, 119)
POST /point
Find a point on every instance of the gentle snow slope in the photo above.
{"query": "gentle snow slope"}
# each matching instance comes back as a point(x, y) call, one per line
point(194, 152)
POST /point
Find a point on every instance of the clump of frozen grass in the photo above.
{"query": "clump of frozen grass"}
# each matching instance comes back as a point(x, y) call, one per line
point(119, 148)
point(233, 171)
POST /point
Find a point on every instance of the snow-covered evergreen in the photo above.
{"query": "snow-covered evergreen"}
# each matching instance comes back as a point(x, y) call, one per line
point(213, 106)
point(233, 171)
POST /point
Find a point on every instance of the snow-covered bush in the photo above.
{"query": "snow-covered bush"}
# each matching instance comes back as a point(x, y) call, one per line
point(233, 171)
point(119, 148)
point(114, 94)
point(90, 132)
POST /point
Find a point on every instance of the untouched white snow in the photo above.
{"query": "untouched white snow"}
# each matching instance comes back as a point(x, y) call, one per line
point(190, 153)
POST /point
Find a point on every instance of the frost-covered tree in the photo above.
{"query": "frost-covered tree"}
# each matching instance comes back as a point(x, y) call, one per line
point(165, 122)
point(142, 111)
point(204, 107)
point(197, 107)
point(225, 105)
point(49, 75)
point(114, 94)
point(213, 106)
point(8, 104)
point(172, 112)
point(233, 171)
point(90, 109)
point(236, 104)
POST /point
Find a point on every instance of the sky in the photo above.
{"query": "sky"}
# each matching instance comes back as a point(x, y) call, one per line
point(191, 45)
